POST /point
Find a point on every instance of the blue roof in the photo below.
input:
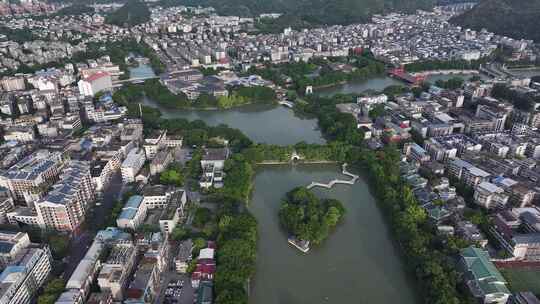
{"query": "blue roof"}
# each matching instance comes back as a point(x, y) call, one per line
point(128, 213)
point(134, 202)
point(111, 233)
point(9, 270)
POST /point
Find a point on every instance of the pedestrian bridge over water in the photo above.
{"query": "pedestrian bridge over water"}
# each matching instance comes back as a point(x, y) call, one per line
point(286, 103)
point(331, 184)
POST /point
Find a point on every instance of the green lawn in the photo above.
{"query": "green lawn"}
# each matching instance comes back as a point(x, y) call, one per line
point(523, 279)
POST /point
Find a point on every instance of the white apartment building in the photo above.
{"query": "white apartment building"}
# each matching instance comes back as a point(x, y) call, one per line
point(132, 164)
point(87, 269)
point(25, 275)
point(20, 134)
point(173, 212)
point(157, 196)
point(13, 83)
point(527, 246)
point(490, 196)
point(154, 142)
point(133, 213)
point(467, 172)
point(12, 244)
point(414, 152)
point(95, 83)
point(84, 273)
point(6, 206)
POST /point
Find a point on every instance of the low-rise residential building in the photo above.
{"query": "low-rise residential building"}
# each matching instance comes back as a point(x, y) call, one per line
point(416, 153)
point(88, 268)
point(183, 257)
point(154, 142)
point(157, 196)
point(6, 206)
point(115, 271)
point(70, 297)
point(470, 232)
point(173, 212)
point(160, 162)
point(145, 284)
point(133, 213)
point(212, 163)
point(526, 246)
point(22, 134)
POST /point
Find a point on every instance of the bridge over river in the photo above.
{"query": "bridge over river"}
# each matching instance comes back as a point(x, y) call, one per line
point(134, 80)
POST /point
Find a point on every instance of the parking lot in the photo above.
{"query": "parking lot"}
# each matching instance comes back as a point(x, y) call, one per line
point(176, 289)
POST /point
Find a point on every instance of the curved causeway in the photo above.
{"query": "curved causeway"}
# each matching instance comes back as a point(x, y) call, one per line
point(337, 181)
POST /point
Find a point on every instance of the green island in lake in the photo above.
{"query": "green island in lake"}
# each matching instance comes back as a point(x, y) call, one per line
point(308, 219)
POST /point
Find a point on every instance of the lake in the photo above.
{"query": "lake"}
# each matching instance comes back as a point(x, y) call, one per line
point(270, 124)
point(357, 87)
point(358, 263)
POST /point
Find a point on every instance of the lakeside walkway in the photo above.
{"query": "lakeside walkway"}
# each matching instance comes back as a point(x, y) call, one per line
point(337, 181)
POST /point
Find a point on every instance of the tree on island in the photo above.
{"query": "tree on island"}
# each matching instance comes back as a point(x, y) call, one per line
point(309, 218)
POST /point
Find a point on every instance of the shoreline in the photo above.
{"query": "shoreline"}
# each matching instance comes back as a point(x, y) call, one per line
point(445, 72)
point(310, 162)
point(324, 86)
point(529, 68)
point(156, 105)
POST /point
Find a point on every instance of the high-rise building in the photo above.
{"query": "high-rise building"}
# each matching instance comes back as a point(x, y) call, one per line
point(64, 208)
point(29, 178)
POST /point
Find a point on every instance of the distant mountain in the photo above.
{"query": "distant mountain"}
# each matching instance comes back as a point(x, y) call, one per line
point(75, 9)
point(313, 11)
point(513, 18)
point(132, 13)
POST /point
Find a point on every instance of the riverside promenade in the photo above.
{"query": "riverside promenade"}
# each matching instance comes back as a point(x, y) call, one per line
point(331, 184)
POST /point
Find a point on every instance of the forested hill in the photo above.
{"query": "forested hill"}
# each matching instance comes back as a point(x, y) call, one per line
point(514, 18)
point(313, 11)
point(131, 13)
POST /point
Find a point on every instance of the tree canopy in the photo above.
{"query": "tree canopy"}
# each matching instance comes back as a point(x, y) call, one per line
point(132, 13)
point(309, 218)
